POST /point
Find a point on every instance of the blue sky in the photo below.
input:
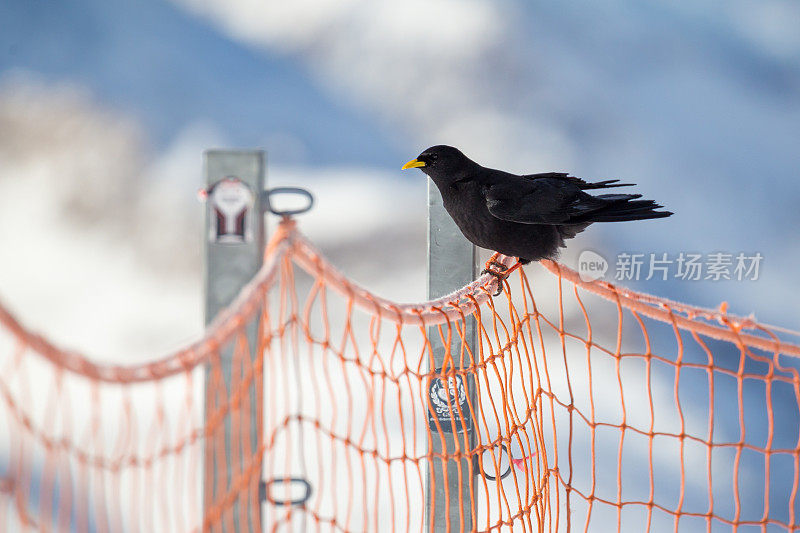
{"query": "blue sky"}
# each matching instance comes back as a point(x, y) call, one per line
point(169, 68)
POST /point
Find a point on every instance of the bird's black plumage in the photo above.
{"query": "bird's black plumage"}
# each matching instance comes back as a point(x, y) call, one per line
point(527, 216)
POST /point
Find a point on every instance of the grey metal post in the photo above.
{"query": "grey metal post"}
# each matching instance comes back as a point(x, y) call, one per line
point(234, 247)
point(452, 263)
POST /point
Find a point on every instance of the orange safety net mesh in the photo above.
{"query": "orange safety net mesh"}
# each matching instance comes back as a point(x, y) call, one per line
point(581, 407)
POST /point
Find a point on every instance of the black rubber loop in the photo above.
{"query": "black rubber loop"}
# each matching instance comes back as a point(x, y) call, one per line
point(505, 474)
point(288, 190)
point(265, 492)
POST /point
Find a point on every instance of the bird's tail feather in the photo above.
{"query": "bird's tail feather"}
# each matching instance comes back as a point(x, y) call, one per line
point(632, 216)
point(618, 197)
point(626, 207)
point(606, 184)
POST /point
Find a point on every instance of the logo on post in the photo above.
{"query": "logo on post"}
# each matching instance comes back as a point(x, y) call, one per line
point(447, 395)
point(231, 200)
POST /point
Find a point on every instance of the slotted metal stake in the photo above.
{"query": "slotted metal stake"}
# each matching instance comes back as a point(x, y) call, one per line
point(452, 263)
point(234, 247)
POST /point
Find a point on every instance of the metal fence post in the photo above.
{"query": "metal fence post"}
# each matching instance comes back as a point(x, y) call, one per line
point(452, 263)
point(234, 245)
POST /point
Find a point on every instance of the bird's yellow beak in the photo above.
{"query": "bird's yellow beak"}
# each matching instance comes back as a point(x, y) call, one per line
point(414, 163)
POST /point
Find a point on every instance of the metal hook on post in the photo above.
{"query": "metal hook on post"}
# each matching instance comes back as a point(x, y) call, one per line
point(267, 203)
point(265, 493)
point(502, 475)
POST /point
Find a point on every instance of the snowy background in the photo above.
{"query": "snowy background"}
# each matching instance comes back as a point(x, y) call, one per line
point(105, 108)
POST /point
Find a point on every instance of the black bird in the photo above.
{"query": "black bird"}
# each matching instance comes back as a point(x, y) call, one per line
point(528, 216)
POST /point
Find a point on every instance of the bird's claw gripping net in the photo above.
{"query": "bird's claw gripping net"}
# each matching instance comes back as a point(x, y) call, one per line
point(498, 272)
point(619, 411)
point(497, 267)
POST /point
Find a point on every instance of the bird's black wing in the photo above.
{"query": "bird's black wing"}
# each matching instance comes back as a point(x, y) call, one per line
point(539, 201)
point(580, 183)
point(559, 201)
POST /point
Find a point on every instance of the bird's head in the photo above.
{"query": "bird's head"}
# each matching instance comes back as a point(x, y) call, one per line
point(444, 164)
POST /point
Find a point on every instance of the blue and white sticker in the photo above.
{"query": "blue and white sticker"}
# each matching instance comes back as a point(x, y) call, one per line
point(447, 395)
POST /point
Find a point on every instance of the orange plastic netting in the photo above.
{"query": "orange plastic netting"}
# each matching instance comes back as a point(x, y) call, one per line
point(581, 407)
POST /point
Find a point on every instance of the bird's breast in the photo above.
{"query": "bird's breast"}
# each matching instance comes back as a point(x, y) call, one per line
point(468, 209)
point(467, 206)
